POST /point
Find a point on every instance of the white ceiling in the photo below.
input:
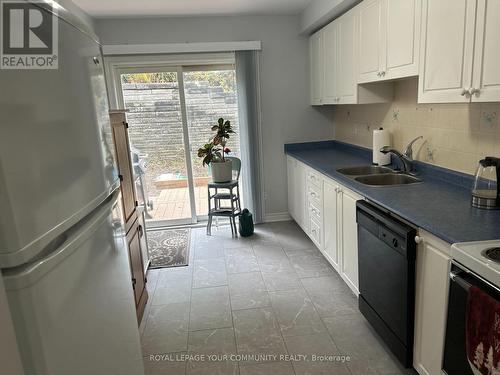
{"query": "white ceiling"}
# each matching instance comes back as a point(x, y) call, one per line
point(127, 8)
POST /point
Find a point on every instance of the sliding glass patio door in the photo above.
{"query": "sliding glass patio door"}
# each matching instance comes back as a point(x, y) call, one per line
point(170, 113)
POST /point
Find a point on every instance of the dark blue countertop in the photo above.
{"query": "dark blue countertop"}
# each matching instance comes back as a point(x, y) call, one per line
point(441, 204)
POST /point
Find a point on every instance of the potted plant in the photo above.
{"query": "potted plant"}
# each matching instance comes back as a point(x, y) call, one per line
point(213, 153)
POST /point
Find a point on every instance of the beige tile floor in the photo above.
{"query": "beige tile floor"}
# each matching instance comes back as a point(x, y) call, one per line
point(270, 294)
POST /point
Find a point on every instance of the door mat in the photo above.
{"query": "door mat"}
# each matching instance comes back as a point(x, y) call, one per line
point(169, 247)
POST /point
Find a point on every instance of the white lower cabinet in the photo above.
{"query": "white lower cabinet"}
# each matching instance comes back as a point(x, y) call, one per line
point(431, 301)
point(331, 222)
point(296, 179)
point(326, 211)
point(349, 239)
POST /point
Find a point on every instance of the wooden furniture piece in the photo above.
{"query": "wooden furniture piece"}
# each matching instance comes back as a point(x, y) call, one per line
point(134, 227)
point(230, 192)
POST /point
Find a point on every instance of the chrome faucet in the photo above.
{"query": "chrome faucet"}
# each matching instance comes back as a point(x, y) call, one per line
point(406, 157)
point(409, 149)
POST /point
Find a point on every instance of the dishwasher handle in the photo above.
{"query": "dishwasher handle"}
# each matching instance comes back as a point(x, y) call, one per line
point(386, 219)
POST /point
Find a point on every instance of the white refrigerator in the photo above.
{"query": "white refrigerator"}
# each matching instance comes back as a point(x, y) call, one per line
point(63, 256)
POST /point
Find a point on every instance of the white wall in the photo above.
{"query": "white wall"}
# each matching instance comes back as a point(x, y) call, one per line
point(456, 136)
point(286, 113)
point(320, 12)
point(73, 8)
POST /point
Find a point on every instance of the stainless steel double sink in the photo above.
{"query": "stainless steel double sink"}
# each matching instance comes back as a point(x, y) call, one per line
point(373, 175)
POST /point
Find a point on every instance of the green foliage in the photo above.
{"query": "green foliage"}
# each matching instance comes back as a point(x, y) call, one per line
point(165, 77)
point(224, 78)
point(221, 78)
point(223, 129)
point(210, 152)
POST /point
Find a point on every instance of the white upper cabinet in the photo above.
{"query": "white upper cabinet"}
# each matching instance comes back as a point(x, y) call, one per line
point(460, 54)
point(388, 39)
point(486, 72)
point(402, 38)
point(330, 45)
point(334, 66)
point(339, 85)
point(316, 67)
point(346, 60)
point(370, 41)
point(446, 51)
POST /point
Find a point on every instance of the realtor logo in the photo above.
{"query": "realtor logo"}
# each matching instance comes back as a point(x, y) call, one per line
point(29, 35)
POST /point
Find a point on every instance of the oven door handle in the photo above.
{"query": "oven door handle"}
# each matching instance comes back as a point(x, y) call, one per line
point(455, 277)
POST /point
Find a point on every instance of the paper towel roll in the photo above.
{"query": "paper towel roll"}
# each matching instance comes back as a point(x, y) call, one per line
point(381, 138)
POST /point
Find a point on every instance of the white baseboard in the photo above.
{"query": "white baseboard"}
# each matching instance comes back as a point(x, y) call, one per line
point(277, 216)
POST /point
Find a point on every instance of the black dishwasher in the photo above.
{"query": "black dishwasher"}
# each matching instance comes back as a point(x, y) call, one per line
point(386, 257)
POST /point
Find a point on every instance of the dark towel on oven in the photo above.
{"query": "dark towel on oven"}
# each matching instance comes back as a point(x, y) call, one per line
point(483, 332)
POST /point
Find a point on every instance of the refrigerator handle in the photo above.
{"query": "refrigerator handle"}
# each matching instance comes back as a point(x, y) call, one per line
point(64, 245)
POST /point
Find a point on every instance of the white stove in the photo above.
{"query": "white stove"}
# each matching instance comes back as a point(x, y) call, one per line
point(481, 257)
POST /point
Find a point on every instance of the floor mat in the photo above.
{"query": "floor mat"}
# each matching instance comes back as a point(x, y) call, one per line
point(168, 248)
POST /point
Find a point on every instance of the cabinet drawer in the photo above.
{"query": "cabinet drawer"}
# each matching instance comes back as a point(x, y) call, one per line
point(315, 213)
point(314, 178)
point(315, 232)
point(314, 194)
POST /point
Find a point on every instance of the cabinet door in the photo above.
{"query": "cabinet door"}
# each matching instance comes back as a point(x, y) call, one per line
point(144, 240)
point(486, 81)
point(300, 195)
point(347, 86)
point(446, 51)
point(370, 40)
point(330, 223)
point(349, 264)
point(330, 55)
point(433, 267)
point(122, 147)
point(316, 67)
point(137, 268)
point(290, 175)
point(402, 38)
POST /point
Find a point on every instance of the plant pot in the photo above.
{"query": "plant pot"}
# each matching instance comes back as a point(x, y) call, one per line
point(222, 171)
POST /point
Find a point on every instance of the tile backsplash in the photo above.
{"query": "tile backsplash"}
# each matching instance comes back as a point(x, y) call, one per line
point(456, 136)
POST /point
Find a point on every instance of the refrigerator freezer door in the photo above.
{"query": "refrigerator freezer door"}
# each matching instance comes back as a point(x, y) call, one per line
point(57, 159)
point(73, 309)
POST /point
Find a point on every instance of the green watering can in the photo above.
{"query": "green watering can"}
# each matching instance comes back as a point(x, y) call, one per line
point(246, 223)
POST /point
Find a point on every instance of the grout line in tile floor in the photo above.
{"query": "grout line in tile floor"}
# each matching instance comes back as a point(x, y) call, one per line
point(275, 241)
point(231, 310)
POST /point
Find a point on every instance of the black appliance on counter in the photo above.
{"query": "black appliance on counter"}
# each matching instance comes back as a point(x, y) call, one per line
point(455, 360)
point(386, 257)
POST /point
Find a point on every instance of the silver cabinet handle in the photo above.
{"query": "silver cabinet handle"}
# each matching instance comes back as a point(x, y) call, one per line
point(313, 194)
point(378, 74)
point(418, 239)
point(474, 91)
point(464, 92)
